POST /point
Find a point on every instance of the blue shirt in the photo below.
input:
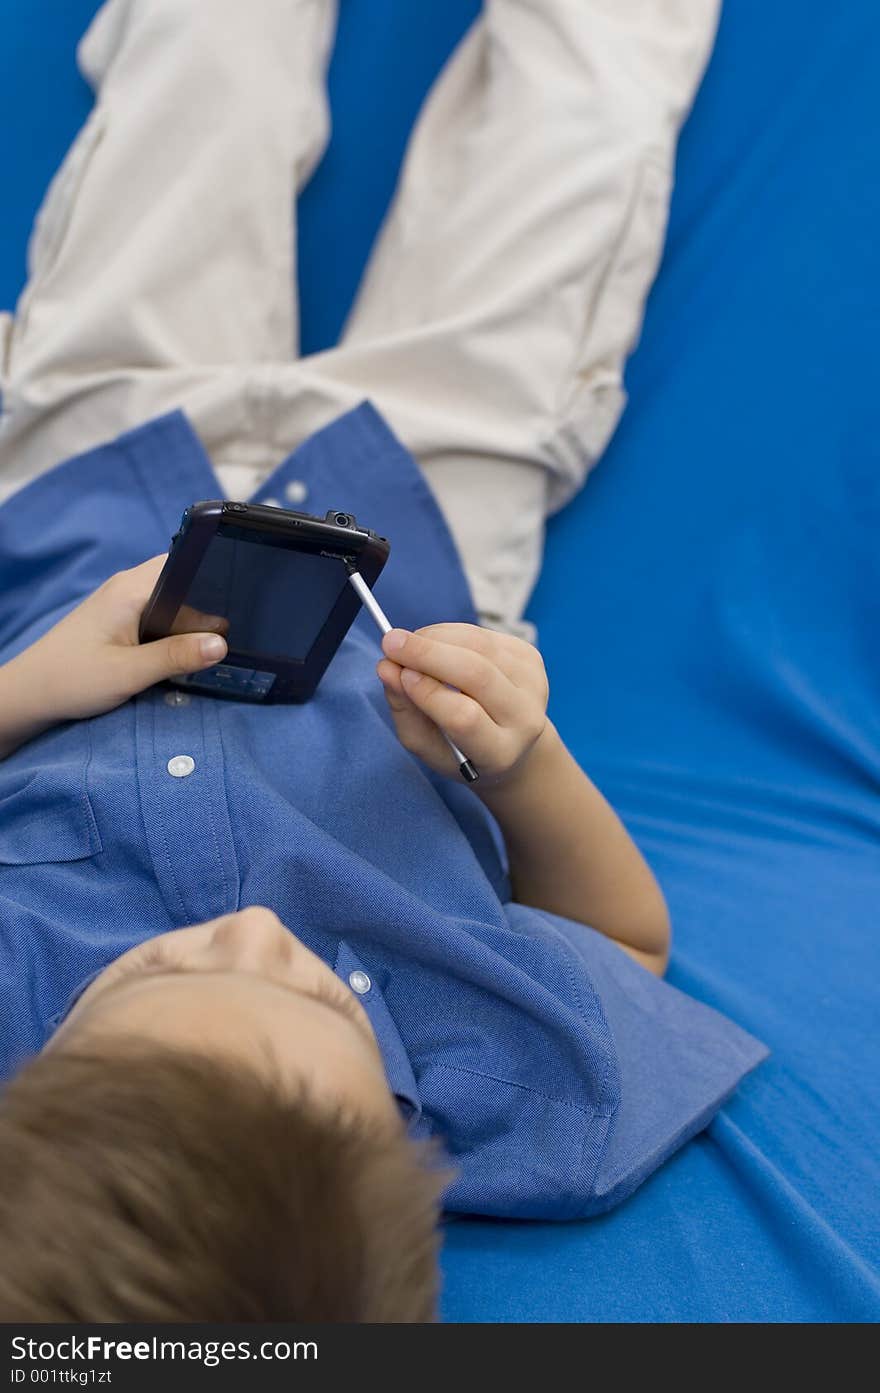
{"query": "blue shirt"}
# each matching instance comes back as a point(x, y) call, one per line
point(557, 1072)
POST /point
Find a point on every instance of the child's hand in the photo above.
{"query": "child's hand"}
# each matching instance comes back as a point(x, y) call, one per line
point(487, 690)
point(91, 660)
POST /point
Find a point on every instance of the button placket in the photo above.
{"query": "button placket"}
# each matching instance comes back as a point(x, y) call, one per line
point(186, 819)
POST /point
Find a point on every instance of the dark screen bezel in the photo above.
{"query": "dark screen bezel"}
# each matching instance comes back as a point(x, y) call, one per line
point(296, 678)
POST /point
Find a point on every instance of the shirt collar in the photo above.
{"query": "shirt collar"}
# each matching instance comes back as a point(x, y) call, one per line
point(55, 1021)
point(398, 1070)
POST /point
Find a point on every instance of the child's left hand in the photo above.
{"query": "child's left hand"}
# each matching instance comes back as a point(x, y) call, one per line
point(91, 661)
point(487, 690)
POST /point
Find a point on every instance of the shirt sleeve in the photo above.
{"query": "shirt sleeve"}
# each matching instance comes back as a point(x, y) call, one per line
point(677, 1060)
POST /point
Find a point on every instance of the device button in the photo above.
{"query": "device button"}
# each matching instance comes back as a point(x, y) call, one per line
point(296, 491)
point(359, 982)
point(179, 766)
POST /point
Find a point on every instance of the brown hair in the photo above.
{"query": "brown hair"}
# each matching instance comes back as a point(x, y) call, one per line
point(160, 1185)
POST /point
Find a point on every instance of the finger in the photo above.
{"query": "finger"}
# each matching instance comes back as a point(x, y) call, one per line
point(175, 656)
point(459, 715)
point(141, 579)
point(148, 570)
point(470, 671)
point(136, 585)
point(467, 635)
point(389, 675)
point(516, 658)
point(521, 662)
point(192, 621)
point(418, 733)
point(129, 590)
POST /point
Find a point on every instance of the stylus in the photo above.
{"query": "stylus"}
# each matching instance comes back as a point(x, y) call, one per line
point(466, 769)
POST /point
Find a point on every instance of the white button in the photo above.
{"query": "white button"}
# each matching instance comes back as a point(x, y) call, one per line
point(176, 699)
point(296, 491)
point(181, 765)
point(360, 983)
point(272, 503)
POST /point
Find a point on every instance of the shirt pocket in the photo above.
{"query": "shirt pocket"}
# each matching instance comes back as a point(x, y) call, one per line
point(45, 811)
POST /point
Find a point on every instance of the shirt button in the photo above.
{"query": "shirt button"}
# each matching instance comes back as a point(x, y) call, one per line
point(176, 699)
point(360, 983)
point(296, 491)
point(181, 765)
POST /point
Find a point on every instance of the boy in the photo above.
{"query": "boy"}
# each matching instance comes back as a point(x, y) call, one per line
point(265, 963)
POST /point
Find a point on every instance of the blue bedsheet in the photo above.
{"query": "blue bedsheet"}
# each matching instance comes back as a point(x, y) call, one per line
point(710, 615)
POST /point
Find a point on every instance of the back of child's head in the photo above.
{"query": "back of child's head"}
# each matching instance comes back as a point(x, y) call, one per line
point(155, 1185)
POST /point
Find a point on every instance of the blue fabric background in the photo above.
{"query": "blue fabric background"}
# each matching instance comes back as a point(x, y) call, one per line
point(710, 616)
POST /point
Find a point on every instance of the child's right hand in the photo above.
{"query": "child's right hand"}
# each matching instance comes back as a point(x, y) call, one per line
point(487, 690)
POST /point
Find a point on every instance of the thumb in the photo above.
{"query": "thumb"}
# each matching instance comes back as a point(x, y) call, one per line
point(177, 655)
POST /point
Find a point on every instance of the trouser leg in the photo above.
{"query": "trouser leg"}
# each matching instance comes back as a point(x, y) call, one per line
point(503, 296)
point(509, 282)
point(164, 254)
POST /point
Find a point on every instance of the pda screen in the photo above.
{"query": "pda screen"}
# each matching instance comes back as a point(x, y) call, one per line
point(274, 600)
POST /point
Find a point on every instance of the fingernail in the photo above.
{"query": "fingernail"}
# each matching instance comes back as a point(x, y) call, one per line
point(212, 647)
point(394, 640)
point(410, 678)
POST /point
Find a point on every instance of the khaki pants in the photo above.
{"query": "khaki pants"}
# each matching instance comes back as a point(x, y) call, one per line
point(501, 299)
